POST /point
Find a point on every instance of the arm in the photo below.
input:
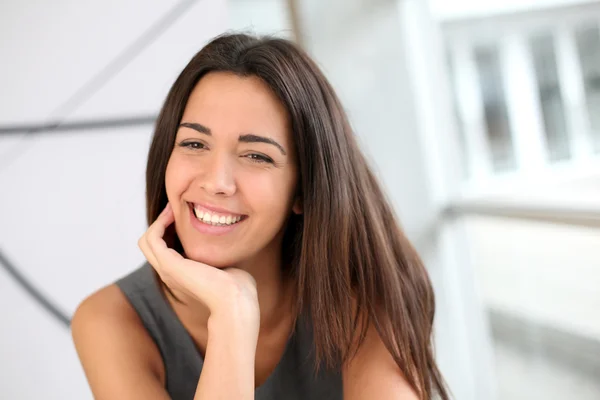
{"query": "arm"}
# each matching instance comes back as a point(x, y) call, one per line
point(231, 297)
point(373, 373)
point(119, 359)
point(228, 371)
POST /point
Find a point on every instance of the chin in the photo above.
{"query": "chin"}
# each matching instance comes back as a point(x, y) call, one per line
point(212, 258)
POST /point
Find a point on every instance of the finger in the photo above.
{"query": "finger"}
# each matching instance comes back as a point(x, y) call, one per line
point(176, 270)
point(143, 245)
point(169, 264)
point(165, 258)
point(164, 219)
point(167, 208)
point(155, 233)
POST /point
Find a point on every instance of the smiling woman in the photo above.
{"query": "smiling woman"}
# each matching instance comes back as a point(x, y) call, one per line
point(275, 266)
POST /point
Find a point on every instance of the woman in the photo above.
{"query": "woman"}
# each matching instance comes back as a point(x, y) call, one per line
point(281, 271)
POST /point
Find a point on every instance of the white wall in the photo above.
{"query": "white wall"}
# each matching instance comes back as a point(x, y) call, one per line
point(542, 273)
point(72, 204)
point(261, 17)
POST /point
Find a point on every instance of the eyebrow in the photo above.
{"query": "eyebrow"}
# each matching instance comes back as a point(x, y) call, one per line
point(247, 138)
point(197, 127)
point(250, 138)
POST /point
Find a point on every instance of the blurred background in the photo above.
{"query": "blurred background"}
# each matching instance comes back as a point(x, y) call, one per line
point(482, 119)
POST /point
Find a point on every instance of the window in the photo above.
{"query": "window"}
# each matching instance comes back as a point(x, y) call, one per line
point(588, 46)
point(551, 101)
point(496, 114)
point(460, 123)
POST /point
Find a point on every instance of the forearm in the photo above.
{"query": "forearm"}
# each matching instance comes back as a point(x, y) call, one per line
point(228, 370)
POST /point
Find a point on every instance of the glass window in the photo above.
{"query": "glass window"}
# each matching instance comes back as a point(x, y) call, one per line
point(496, 114)
point(588, 46)
point(551, 101)
point(460, 123)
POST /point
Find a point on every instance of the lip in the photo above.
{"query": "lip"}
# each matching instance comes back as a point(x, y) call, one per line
point(211, 229)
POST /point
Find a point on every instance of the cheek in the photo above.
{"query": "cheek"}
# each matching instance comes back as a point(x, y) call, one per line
point(175, 181)
point(273, 195)
point(170, 179)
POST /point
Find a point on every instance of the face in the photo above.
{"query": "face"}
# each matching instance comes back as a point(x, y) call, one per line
point(231, 178)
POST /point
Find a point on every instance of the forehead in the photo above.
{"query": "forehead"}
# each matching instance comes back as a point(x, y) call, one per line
point(230, 104)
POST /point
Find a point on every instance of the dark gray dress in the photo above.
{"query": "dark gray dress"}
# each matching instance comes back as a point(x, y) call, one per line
point(293, 378)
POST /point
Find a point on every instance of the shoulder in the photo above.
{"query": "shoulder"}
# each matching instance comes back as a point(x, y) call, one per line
point(107, 307)
point(109, 336)
point(373, 373)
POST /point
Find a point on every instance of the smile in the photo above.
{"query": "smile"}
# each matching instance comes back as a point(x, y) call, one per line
point(215, 219)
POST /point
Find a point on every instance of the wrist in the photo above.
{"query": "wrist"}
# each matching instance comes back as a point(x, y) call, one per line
point(235, 318)
point(236, 336)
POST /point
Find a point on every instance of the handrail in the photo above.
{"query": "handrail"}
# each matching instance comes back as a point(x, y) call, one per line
point(574, 214)
point(82, 125)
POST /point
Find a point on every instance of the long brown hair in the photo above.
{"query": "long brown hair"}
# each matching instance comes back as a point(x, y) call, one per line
point(352, 264)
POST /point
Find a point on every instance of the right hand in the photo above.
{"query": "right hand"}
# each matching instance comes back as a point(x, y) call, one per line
point(227, 293)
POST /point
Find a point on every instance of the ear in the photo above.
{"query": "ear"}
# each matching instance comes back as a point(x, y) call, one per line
point(297, 208)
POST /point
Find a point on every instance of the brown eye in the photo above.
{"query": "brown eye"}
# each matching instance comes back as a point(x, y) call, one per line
point(259, 158)
point(193, 145)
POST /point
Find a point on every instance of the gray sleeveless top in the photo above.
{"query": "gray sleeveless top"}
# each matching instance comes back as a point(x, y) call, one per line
point(293, 378)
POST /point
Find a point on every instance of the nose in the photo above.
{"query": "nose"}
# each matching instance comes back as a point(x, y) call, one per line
point(217, 176)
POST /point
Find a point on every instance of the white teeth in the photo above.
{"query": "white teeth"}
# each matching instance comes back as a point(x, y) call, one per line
point(214, 219)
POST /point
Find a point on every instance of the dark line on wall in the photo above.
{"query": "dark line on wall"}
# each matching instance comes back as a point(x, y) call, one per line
point(92, 124)
point(35, 293)
point(124, 58)
point(75, 101)
point(92, 86)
